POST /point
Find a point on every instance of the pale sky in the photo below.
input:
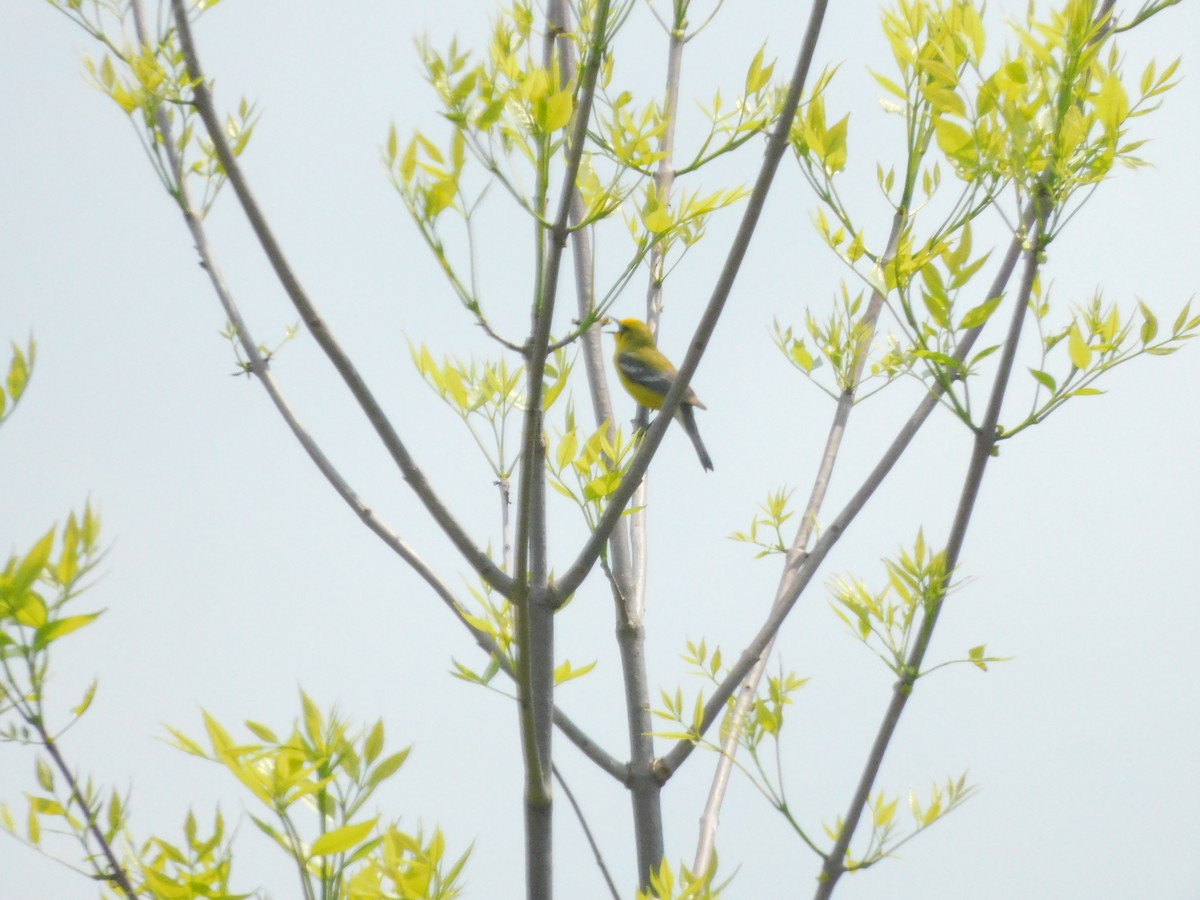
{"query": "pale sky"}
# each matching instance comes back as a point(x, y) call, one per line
point(236, 576)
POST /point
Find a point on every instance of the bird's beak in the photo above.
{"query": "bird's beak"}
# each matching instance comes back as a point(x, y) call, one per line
point(606, 321)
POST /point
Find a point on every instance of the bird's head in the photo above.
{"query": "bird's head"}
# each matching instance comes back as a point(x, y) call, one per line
point(633, 333)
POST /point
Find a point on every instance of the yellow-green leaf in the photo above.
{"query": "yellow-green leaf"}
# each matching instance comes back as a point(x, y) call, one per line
point(657, 220)
point(951, 137)
point(1045, 379)
point(18, 373)
point(558, 111)
point(62, 627)
point(388, 767)
point(374, 744)
point(262, 732)
point(88, 696)
point(565, 672)
point(1077, 348)
point(981, 313)
point(1149, 325)
point(341, 839)
point(567, 448)
point(32, 565)
point(32, 611)
point(888, 85)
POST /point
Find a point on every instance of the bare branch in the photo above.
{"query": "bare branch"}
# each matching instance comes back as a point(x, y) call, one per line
point(476, 557)
point(587, 833)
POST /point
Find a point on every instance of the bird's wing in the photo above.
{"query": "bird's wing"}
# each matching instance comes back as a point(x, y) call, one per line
point(644, 375)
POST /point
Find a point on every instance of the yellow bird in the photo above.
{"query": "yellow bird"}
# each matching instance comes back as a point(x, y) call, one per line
point(647, 375)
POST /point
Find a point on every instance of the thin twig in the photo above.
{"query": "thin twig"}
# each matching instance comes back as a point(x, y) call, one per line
point(116, 873)
point(587, 833)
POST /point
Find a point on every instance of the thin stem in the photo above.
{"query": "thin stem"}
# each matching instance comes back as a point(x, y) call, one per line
point(116, 874)
point(587, 833)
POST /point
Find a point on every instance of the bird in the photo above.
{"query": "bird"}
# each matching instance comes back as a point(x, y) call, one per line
point(647, 375)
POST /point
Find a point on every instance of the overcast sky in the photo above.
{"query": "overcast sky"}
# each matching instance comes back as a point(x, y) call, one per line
point(236, 576)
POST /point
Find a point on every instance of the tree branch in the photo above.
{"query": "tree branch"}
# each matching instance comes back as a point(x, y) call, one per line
point(985, 441)
point(475, 557)
point(798, 578)
point(536, 615)
point(795, 555)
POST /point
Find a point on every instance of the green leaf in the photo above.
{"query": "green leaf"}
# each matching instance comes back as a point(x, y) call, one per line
point(567, 448)
point(262, 732)
point(951, 137)
point(32, 565)
point(452, 380)
point(657, 220)
point(558, 111)
point(68, 563)
point(342, 839)
point(314, 722)
point(1077, 348)
point(387, 768)
point(983, 354)
point(32, 610)
point(186, 744)
point(392, 144)
point(801, 356)
point(47, 806)
point(565, 672)
point(491, 113)
point(52, 631)
point(1182, 319)
point(758, 74)
point(34, 827)
point(941, 359)
point(18, 374)
point(836, 151)
point(88, 696)
point(1149, 324)
point(45, 775)
point(374, 744)
point(1045, 379)
point(976, 317)
point(888, 85)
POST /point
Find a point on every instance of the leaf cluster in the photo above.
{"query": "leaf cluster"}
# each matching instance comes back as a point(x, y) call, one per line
point(323, 768)
point(146, 76)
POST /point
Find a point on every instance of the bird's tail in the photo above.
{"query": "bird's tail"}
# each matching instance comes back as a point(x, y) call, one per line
point(687, 418)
